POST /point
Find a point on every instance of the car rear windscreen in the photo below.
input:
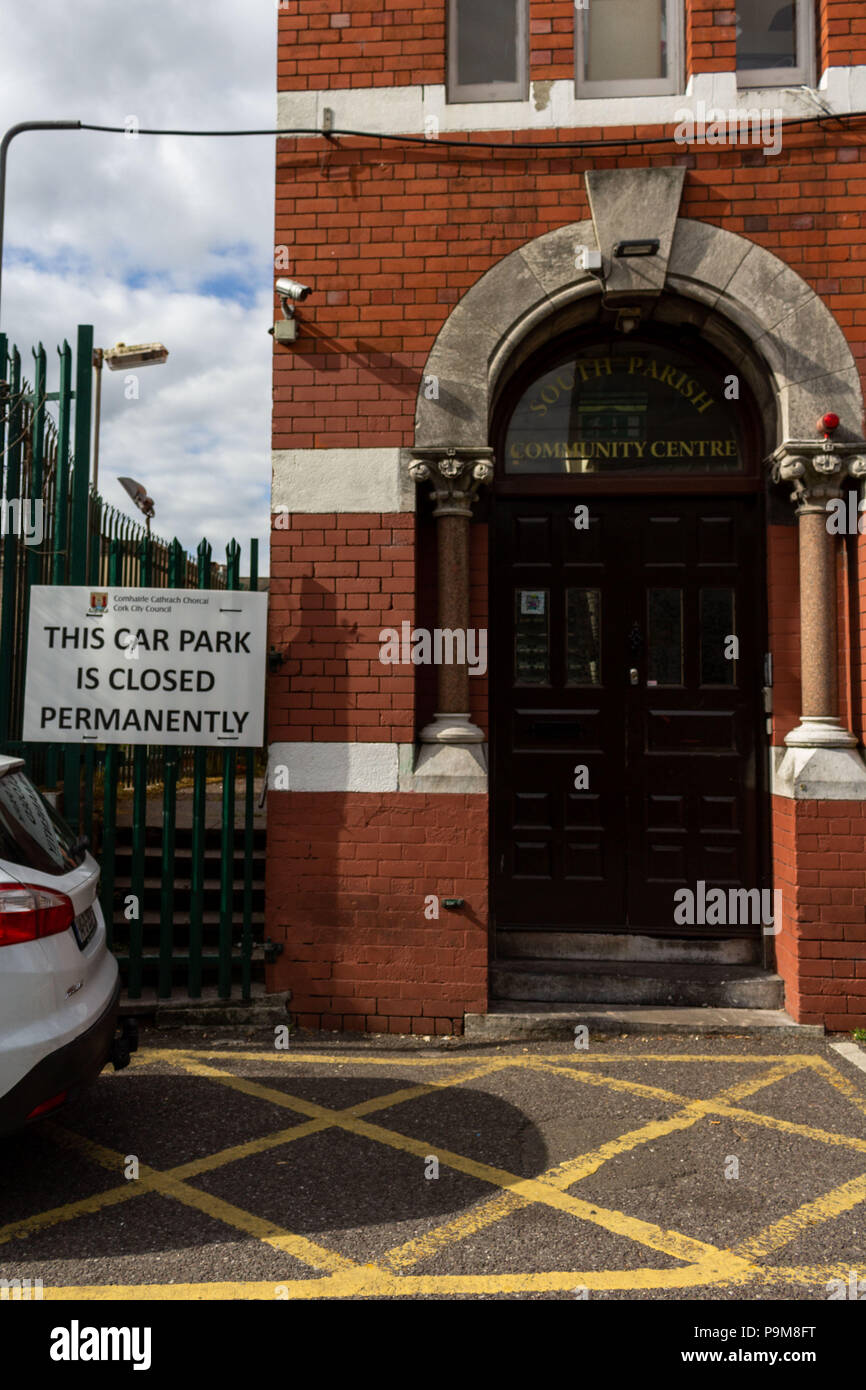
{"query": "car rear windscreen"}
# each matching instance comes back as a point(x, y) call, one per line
point(32, 834)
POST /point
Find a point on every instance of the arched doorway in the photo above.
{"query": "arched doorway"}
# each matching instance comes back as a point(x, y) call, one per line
point(628, 747)
point(714, 290)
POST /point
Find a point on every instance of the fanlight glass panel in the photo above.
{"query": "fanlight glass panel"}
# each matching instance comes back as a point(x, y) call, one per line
point(626, 406)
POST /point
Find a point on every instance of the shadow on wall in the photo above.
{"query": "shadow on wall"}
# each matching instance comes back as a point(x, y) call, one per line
point(351, 873)
point(313, 892)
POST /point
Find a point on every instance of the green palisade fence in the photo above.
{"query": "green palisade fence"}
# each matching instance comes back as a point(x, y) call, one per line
point(181, 919)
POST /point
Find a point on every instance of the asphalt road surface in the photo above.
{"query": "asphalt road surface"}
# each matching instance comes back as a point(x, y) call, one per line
point(675, 1168)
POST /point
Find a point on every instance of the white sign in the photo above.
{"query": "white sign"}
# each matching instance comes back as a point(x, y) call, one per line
point(171, 666)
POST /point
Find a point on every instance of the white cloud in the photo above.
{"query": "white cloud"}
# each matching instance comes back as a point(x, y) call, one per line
point(159, 238)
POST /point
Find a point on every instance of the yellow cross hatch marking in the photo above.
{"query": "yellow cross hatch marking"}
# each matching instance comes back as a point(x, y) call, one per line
point(814, 1213)
point(572, 1170)
point(445, 1285)
point(702, 1264)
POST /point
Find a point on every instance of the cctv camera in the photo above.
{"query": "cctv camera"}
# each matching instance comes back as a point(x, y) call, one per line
point(291, 289)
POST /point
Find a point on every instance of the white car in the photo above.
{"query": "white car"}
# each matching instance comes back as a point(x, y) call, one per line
point(59, 983)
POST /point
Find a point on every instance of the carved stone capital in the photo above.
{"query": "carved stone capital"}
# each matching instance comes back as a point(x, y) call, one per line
point(817, 469)
point(455, 476)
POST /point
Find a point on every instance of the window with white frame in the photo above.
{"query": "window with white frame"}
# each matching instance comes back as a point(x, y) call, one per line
point(488, 50)
point(775, 42)
point(628, 48)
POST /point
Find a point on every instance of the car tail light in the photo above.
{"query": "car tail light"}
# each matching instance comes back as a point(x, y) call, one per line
point(47, 1105)
point(28, 913)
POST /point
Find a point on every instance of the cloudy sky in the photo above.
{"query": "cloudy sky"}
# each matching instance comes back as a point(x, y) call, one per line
point(155, 238)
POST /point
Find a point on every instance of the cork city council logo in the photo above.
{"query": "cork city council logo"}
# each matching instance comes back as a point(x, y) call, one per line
point(98, 605)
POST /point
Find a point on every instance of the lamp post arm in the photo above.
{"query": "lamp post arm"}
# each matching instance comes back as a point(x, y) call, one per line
point(4, 147)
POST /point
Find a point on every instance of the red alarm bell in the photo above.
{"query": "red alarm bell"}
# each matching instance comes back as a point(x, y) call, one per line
point(828, 423)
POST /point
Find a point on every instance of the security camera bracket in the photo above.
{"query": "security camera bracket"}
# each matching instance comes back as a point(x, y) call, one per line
point(285, 330)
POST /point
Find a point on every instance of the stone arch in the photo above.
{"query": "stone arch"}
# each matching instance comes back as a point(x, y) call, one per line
point(758, 311)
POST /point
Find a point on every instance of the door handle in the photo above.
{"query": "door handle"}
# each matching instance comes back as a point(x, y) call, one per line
point(633, 676)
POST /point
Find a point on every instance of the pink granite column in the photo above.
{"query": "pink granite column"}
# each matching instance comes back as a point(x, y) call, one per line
point(455, 477)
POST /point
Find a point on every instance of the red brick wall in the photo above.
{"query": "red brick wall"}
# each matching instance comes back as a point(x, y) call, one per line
point(784, 866)
point(551, 40)
point(840, 33)
point(347, 876)
point(359, 43)
point(336, 582)
point(333, 44)
point(821, 950)
point(711, 37)
point(347, 873)
point(392, 237)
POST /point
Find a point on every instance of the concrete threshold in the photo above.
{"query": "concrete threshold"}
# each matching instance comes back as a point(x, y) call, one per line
point(516, 1022)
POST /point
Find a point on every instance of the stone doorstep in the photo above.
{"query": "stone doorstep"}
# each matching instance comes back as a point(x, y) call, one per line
point(515, 1022)
point(602, 984)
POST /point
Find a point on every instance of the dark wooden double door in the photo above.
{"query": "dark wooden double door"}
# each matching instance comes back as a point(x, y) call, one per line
point(627, 671)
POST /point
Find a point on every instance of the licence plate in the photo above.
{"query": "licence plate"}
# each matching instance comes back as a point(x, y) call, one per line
point(84, 926)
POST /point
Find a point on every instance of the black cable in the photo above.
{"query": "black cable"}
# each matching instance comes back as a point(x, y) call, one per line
point(818, 118)
point(144, 130)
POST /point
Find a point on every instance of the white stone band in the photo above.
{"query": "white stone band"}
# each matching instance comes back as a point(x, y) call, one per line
point(334, 767)
point(340, 480)
point(404, 110)
point(374, 767)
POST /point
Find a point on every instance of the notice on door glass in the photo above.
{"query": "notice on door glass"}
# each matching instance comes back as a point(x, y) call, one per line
point(168, 666)
point(532, 600)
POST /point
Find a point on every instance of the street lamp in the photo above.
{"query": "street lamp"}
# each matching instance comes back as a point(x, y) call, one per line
point(116, 359)
point(138, 493)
